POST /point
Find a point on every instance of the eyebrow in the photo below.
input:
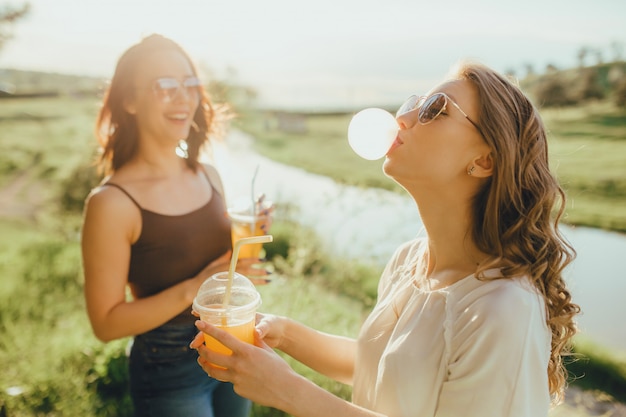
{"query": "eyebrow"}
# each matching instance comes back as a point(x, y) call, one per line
point(449, 95)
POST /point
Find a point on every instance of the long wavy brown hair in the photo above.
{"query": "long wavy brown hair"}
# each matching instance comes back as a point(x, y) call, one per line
point(116, 129)
point(517, 211)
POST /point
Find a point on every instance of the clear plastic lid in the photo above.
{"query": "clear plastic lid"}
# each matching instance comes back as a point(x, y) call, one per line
point(210, 296)
point(242, 209)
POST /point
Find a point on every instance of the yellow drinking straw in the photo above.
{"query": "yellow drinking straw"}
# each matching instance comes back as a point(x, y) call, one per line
point(233, 261)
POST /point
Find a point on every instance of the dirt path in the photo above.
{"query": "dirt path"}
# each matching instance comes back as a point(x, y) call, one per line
point(21, 197)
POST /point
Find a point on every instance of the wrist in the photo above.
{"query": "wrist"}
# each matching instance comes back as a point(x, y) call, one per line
point(286, 341)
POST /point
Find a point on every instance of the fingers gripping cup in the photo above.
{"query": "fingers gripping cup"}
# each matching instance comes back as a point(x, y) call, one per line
point(234, 312)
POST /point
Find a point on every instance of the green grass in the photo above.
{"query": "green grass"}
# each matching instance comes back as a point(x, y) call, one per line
point(595, 368)
point(45, 340)
point(53, 365)
point(323, 149)
point(48, 134)
point(51, 362)
point(588, 153)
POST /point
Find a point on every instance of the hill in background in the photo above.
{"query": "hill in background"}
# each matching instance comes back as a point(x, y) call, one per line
point(570, 87)
point(19, 82)
point(553, 88)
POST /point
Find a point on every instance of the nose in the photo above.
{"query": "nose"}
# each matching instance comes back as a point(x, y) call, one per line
point(407, 120)
point(181, 91)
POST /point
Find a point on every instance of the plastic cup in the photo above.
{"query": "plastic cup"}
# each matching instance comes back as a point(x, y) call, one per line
point(237, 317)
point(245, 224)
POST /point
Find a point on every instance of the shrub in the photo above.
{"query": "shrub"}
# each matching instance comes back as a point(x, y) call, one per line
point(76, 187)
point(108, 378)
point(552, 92)
point(593, 368)
point(589, 86)
point(620, 93)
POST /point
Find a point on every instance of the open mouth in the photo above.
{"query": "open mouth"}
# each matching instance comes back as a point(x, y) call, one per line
point(178, 117)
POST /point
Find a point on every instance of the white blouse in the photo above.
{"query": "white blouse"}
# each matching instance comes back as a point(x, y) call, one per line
point(475, 348)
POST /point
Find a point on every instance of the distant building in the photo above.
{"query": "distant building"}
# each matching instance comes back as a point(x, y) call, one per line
point(291, 122)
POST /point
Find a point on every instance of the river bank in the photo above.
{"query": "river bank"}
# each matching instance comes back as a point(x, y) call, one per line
point(339, 213)
point(371, 223)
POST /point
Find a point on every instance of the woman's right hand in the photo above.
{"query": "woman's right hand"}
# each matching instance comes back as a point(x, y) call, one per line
point(265, 209)
point(270, 329)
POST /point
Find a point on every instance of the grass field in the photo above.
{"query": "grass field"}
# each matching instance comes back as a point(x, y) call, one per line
point(588, 153)
point(51, 362)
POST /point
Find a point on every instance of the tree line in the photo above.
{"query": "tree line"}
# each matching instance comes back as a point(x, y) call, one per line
point(560, 88)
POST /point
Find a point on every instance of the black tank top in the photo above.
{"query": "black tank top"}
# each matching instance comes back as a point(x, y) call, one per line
point(172, 249)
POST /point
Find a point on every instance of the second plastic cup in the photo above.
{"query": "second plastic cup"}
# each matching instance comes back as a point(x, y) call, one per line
point(244, 224)
point(237, 318)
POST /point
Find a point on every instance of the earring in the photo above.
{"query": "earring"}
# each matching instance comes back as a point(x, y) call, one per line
point(471, 170)
point(182, 148)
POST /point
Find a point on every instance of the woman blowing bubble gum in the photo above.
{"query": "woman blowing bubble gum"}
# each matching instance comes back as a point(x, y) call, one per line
point(471, 320)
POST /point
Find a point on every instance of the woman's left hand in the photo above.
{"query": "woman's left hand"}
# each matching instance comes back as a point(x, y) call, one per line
point(255, 270)
point(256, 371)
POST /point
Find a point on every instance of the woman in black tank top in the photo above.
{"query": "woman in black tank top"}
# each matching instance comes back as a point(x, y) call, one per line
point(157, 226)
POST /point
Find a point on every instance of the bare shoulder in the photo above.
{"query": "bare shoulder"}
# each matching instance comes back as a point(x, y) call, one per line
point(214, 177)
point(109, 207)
point(108, 198)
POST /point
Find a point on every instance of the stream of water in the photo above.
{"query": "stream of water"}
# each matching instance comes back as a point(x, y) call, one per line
point(372, 223)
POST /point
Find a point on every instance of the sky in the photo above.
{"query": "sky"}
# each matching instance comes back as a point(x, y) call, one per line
point(320, 53)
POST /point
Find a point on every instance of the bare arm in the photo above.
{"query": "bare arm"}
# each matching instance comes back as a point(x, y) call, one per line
point(259, 374)
point(328, 354)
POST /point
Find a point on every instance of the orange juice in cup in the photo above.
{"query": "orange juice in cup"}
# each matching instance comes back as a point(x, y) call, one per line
point(243, 332)
point(229, 306)
point(246, 222)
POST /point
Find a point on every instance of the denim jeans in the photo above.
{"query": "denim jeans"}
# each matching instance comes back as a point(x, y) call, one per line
point(166, 380)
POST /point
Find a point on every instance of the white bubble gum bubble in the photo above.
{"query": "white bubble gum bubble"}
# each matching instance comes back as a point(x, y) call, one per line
point(371, 133)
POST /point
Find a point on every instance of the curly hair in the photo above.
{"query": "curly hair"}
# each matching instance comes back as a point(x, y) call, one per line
point(517, 211)
point(116, 129)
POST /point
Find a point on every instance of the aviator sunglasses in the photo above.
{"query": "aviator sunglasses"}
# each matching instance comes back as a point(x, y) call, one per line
point(167, 88)
point(430, 107)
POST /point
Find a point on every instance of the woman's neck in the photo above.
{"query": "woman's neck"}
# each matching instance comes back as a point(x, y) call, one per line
point(448, 223)
point(159, 161)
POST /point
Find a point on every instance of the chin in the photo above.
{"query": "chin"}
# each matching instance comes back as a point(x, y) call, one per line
point(388, 169)
point(391, 171)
